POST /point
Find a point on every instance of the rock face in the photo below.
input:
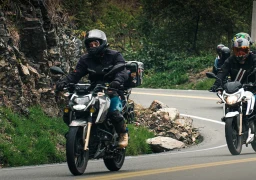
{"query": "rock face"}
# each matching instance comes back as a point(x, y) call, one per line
point(25, 58)
point(171, 130)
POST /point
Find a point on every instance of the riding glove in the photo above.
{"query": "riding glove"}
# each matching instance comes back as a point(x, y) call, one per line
point(60, 85)
point(115, 84)
point(213, 88)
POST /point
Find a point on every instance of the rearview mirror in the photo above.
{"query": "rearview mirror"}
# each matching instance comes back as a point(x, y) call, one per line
point(211, 75)
point(56, 70)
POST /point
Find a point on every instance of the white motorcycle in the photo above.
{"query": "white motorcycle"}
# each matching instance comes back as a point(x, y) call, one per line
point(91, 134)
point(239, 115)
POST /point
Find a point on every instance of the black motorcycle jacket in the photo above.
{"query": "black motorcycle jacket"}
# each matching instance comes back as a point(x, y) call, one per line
point(97, 68)
point(237, 71)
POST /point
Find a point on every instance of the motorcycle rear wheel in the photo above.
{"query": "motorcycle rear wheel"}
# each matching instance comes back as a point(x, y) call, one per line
point(115, 163)
point(233, 139)
point(77, 158)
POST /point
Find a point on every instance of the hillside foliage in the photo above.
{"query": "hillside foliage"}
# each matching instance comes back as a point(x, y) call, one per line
point(161, 29)
point(154, 32)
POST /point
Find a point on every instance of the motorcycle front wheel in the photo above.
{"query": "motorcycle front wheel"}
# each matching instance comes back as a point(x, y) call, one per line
point(233, 139)
point(115, 163)
point(77, 158)
point(253, 143)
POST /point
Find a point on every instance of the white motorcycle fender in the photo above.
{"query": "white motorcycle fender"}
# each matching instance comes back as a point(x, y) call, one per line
point(78, 123)
point(231, 114)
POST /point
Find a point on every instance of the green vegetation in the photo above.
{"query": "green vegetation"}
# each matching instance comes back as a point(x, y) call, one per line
point(179, 72)
point(137, 143)
point(37, 139)
point(175, 40)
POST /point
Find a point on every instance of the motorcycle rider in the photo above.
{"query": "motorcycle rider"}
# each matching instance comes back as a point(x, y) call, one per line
point(239, 65)
point(216, 61)
point(224, 53)
point(94, 63)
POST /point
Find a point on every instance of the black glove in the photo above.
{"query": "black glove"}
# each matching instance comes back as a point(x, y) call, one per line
point(60, 85)
point(115, 84)
point(213, 88)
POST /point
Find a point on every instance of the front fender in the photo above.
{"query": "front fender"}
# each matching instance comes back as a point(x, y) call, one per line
point(232, 114)
point(78, 122)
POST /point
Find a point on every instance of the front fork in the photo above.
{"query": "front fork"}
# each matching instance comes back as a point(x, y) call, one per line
point(240, 123)
point(88, 133)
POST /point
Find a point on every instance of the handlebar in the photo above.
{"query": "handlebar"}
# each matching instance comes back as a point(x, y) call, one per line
point(71, 87)
point(249, 85)
point(98, 87)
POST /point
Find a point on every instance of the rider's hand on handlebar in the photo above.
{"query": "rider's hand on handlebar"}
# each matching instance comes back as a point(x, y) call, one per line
point(213, 88)
point(60, 86)
point(115, 84)
point(216, 89)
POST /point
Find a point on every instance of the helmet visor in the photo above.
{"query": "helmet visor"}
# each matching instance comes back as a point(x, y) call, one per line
point(240, 51)
point(95, 43)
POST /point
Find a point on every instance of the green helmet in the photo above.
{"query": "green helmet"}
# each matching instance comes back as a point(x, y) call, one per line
point(242, 35)
point(241, 49)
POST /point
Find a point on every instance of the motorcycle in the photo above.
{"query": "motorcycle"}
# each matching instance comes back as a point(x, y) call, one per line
point(91, 135)
point(239, 115)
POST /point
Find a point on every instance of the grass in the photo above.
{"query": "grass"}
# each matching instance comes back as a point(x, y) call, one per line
point(38, 139)
point(169, 81)
point(32, 140)
point(177, 74)
point(137, 143)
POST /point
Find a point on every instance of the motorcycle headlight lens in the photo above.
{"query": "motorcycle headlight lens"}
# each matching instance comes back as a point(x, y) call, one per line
point(81, 100)
point(232, 99)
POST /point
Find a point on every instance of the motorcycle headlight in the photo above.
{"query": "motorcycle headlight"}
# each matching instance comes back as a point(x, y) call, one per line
point(81, 100)
point(232, 99)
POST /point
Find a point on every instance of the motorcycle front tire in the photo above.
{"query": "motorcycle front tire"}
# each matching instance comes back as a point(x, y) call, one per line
point(77, 158)
point(253, 143)
point(233, 139)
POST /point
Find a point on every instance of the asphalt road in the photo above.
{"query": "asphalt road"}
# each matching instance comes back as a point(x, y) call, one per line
point(209, 160)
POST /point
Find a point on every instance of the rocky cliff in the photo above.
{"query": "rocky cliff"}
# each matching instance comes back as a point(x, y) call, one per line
point(33, 38)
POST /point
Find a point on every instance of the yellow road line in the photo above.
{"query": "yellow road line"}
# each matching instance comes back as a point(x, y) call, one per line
point(167, 170)
point(172, 95)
